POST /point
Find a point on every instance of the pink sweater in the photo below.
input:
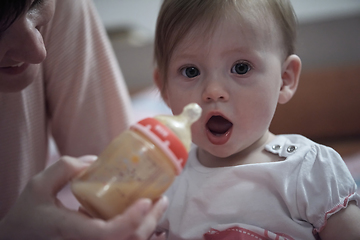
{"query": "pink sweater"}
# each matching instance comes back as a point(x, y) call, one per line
point(78, 95)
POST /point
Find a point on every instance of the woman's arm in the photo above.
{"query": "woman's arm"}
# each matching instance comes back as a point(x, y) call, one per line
point(88, 103)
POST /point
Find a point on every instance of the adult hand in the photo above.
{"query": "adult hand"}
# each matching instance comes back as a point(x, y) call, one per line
point(38, 214)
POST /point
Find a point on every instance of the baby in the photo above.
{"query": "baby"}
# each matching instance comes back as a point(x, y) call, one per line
point(235, 58)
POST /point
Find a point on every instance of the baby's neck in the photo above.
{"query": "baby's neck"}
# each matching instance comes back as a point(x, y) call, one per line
point(255, 153)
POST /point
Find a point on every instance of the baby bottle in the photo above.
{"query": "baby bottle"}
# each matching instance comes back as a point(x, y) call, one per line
point(142, 162)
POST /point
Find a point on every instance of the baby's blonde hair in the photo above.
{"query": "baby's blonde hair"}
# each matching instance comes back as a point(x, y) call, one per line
point(178, 17)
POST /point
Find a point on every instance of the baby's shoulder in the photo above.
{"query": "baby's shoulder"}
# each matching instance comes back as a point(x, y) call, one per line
point(288, 145)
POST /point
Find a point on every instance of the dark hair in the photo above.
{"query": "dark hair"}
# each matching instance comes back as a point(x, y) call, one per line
point(10, 10)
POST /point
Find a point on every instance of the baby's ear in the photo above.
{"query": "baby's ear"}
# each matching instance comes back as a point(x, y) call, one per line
point(290, 78)
point(160, 85)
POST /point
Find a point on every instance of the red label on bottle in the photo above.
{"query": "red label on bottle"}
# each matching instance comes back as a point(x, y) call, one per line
point(168, 139)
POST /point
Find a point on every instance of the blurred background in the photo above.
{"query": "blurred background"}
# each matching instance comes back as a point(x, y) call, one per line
point(326, 107)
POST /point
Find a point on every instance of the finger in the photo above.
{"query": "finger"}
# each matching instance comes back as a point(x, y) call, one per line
point(128, 222)
point(55, 177)
point(126, 225)
point(82, 226)
point(160, 207)
point(88, 159)
point(123, 225)
point(152, 218)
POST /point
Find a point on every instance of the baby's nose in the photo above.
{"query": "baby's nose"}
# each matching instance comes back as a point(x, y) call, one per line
point(215, 90)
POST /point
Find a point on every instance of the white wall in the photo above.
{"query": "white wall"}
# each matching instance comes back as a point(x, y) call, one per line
point(329, 34)
point(142, 13)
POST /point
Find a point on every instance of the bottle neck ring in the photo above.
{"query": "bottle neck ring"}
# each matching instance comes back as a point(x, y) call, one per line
point(165, 139)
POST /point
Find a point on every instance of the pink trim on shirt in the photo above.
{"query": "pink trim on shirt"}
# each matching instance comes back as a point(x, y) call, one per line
point(333, 211)
point(244, 234)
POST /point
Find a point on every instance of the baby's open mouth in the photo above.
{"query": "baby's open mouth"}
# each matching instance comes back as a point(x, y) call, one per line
point(218, 125)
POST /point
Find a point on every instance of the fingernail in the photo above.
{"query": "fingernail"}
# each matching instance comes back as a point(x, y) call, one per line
point(145, 206)
point(88, 158)
point(164, 202)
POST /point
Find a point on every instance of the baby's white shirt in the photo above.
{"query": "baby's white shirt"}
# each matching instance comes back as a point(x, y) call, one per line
point(288, 199)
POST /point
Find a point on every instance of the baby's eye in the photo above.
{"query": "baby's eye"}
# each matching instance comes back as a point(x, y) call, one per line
point(190, 72)
point(241, 68)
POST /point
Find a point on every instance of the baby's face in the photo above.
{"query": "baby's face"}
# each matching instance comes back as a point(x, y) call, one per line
point(235, 76)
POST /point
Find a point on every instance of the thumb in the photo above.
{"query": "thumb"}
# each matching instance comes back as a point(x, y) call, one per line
point(55, 177)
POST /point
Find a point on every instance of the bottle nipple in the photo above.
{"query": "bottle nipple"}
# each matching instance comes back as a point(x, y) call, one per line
point(181, 124)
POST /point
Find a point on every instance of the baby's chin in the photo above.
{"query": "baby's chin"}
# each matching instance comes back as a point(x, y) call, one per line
point(217, 152)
